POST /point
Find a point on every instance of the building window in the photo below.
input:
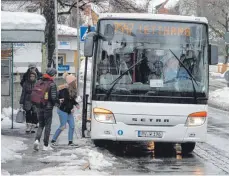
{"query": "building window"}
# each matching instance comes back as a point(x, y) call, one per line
point(60, 60)
point(5, 76)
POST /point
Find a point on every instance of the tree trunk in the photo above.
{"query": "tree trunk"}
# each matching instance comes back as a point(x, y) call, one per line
point(49, 13)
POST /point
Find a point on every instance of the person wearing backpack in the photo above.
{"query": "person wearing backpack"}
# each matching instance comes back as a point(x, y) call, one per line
point(44, 96)
point(67, 95)
point(26, 104)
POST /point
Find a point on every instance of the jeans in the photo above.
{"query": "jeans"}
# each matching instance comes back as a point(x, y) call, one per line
point(45, 121)
point(64, 118)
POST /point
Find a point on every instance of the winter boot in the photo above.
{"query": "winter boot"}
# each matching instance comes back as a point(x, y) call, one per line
point(36, 145)
point(53, 143)
point(32, 129)
point(70, 143)
point(28, 127)
point(47, 148)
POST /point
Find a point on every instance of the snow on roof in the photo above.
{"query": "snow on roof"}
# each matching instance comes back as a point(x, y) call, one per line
point(95, 8)
point(66, 30)
point(148, 16)
point(154, 3)
point(22, 20)
point(171, 4)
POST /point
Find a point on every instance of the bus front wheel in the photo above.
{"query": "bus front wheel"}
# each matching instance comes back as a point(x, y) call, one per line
point(101, 143)
point(188, 147)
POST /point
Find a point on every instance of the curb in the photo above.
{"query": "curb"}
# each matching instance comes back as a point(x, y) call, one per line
point(214, 105)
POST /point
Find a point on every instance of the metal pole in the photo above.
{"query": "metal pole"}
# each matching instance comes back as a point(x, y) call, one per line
point(78, 47)
point(84, 113)
point(12, 84)
point(56, 33)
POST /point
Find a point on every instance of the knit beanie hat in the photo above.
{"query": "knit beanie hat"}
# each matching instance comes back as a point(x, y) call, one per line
point(51, 71)
point(32, 65)
point(69, 78)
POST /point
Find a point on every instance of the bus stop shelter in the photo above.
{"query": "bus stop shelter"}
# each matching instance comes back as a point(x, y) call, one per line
point(17, 27)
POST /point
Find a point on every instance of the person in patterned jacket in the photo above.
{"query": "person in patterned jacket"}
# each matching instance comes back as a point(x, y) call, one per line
point(26, 104)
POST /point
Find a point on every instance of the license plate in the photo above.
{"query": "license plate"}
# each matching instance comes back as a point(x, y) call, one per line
point(153, 134)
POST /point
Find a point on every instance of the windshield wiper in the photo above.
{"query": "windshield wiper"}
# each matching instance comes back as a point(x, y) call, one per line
point(189, 73)
point(116, 80)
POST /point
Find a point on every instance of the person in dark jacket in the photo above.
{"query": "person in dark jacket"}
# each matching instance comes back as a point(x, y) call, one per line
point(26, 104)
point(67, 95)
point(45, 111)
point(32, 68)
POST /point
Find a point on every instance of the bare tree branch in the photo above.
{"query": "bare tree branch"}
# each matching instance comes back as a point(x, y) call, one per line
point(219, 33)
point(224, 25)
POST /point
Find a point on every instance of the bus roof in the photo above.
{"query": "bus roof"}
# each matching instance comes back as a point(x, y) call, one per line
point(148, 16)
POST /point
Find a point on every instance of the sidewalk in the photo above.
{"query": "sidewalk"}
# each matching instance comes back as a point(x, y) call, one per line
point(21, 159)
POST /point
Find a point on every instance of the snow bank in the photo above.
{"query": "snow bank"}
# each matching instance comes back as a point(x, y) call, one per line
point(171, 4)
point(97, 160)
point(4, 172)
point(66, 30)
point(7, 113)
point(10, 147)
point(22, 20)
point(220, 97)
point(7, 119)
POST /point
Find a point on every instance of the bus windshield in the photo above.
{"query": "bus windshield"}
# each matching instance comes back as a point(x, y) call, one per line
point(167, 60)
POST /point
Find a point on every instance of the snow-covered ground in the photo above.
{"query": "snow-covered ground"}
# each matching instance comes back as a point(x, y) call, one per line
point(6, 122)
point(220, 97)
point(79, 161)
point(10, 145)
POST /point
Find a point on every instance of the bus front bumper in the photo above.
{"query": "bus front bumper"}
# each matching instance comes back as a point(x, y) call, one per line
point(123, 132)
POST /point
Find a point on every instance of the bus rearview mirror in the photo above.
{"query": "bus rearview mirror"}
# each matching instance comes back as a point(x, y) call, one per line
point(89, 44)
point(213, 55)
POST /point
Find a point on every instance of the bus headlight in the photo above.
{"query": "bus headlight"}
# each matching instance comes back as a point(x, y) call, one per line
point(196, 119)
point(103, 115)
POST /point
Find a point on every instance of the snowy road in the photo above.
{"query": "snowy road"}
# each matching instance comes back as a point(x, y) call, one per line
point(217, 84)
point(211, 157)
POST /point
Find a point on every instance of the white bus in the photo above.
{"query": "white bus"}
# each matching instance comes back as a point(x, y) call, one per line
point(150, 78)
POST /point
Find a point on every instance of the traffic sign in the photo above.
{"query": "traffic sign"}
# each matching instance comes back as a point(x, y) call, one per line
point(84, 30)
point(63, 67)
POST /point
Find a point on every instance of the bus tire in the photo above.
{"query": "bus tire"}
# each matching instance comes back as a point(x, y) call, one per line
point(188, 147)
point(101, 143)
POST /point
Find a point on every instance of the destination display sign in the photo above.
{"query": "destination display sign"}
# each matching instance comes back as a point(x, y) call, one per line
point(153, 29)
